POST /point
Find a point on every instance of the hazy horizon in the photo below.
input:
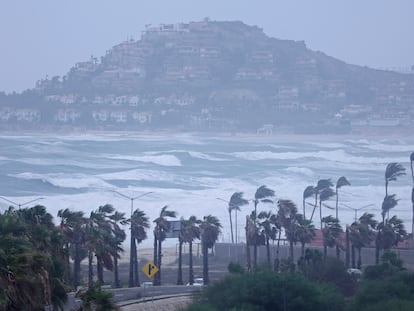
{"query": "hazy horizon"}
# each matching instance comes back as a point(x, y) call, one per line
point(47, 38)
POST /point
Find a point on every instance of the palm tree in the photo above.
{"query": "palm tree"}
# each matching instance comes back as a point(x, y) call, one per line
point(324, 195)
point(24, 269)
point(100, 241)
point(192, 233)
point(72, 227)
point(307, 193)
point(210, 229)
point(362, 234)
point(188, 232)
point(117, 220)
point(181, 239)
point(392, 172)
point(390, 234)
point(268, 223)
point(139, 224)
point(342, 181)
point(287, 214)
point(331, 233)
point(412, 192)
point(263, 194)
point(321, 185)
point(389, 203)
point(236, 201)
point(162, 225)
point(33, 263)
point(305, 232)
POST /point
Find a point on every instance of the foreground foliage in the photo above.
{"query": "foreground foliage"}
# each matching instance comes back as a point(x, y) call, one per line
point(268, 290)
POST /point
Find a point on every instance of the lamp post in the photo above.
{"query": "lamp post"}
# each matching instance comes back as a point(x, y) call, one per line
point(357, 209)
point(132, 249)
point(19, 205)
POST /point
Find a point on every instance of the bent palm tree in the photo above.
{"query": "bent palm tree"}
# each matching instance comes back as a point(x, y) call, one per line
point(139, 224)
point(210, 229)
point(324, 195)
point(331, 234)
point(236, 201)
point(342, 181)
point(72, 227)
point(392, 172)
point(361, 234)
point(287, 214)
point(307, 193)
point(321, 185)
point(162, 225)
point(268, 222)
point(263, 194)
point(118, 234)
point(305, 232)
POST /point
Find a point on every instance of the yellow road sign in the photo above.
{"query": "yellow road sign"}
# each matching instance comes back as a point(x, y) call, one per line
point(149, 269)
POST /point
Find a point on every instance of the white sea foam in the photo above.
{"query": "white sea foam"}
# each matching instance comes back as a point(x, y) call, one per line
point(204, 156)
point(76, 181)
point(300, 170)
point(164, 159)
point(334, 155)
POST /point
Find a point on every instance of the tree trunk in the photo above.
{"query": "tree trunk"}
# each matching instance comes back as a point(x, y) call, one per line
point(277, 252)
point(325, 251)
point(302, 249)
point(90, 269)
point(377, 248)
point(231, 227)
point(155, 257)
point(268, 251)
point(136, 274)
point(190, 264)
point(353, 256)
point(248, 258)
point(116, 272)
point(158, 275)
point(412, 224)
point(359, 258)
point(99, 270)
point(338, 252)
point(131, 262)
point(347, 247)
point(205, 263)
point(255, 247)
point(291, 252)
point(180, 259)
point(76, 266)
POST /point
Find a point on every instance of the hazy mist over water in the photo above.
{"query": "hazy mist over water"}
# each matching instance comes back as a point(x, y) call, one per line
point(188, 172)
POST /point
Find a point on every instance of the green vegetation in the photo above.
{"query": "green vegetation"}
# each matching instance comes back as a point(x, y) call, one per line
point(319, 284)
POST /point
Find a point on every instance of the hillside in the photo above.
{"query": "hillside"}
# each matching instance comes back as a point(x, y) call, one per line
point(213, 76)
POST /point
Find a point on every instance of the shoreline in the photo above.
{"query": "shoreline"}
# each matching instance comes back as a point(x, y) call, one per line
point(281, 137)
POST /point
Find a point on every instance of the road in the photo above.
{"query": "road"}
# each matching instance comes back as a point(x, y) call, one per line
point(135, 293)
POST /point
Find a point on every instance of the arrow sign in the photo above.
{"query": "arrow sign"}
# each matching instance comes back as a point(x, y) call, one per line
point(149, 269)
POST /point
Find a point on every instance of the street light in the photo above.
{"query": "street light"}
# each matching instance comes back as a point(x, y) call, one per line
point(19, 205)
point(131, 255)
point(357, 209)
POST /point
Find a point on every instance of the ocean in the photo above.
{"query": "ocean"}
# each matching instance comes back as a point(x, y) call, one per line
point(189, 172)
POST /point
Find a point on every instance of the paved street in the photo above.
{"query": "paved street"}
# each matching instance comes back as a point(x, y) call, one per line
point(169, 304)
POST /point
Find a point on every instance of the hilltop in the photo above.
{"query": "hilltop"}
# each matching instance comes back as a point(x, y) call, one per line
point(214, 76)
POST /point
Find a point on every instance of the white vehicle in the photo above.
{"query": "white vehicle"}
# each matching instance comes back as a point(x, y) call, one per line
point(197, 282)
point(146, 284)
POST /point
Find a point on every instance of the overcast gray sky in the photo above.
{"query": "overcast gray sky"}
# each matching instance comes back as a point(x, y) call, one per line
point(47, 37)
